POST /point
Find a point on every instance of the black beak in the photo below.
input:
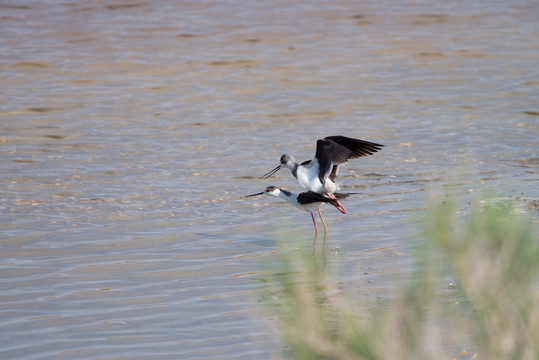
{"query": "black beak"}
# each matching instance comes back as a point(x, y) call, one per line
point(268, 174)
point(260, 193)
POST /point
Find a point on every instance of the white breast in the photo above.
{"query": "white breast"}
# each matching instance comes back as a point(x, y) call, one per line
point(312, 207)
point(308, 178)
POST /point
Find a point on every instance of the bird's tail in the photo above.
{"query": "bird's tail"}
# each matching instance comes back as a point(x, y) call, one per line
point(343, 195)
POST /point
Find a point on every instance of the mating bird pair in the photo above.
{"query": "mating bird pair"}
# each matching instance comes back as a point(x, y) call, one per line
point(318, 175)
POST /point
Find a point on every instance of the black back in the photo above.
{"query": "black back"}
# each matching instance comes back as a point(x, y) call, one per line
point(309, 197)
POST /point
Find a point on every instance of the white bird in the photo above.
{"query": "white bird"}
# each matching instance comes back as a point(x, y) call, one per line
point(307, 201)
point(318, 175)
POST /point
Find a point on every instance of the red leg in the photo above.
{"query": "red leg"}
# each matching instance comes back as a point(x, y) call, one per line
point(314, 223)
point(323, 222)
point(339, 205)
point(325, 230)
point(316, 232)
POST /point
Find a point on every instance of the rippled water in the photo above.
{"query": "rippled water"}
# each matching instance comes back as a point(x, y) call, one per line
point(130, 130)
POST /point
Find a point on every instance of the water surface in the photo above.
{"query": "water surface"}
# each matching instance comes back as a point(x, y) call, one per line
point(130, 130)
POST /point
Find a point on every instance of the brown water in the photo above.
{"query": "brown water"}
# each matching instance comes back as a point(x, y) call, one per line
point(130, 130)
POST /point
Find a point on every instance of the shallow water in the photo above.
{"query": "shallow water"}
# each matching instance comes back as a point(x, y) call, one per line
point(130, 130)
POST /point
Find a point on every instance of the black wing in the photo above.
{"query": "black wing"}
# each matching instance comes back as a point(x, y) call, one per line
point(333, 174)
point(357, 147)
point(334, 150)
point(309, 197)
point(329, 153)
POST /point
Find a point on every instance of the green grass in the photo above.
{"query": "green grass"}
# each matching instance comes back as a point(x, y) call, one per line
point(490, 254)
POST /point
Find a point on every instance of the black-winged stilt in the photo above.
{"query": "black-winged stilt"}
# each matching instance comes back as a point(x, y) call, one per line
point(308, 201)
point(318, 175)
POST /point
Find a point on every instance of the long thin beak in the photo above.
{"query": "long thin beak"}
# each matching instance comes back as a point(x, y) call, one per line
point(260, 193)
point(268, 174)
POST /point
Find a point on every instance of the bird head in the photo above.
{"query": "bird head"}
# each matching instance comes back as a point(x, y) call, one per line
point(270, 190)
point(287, 161)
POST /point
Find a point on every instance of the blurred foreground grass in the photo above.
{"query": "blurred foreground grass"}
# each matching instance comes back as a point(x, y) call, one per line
point(492, 257)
